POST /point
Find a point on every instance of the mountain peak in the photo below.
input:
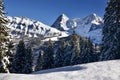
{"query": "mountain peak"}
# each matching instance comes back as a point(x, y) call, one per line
point(63, 15)
point(93, 18)
point(93, 14)
point(60, 23)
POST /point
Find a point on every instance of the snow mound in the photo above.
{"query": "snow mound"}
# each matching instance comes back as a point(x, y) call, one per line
point(107, 70)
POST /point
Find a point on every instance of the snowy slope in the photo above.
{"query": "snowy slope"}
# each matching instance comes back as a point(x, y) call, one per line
point(22, 26)
point(107, 70)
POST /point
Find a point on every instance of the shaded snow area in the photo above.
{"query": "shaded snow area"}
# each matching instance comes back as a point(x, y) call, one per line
point(107, 70)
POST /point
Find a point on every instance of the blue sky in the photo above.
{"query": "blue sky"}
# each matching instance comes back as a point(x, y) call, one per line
point(47, 11)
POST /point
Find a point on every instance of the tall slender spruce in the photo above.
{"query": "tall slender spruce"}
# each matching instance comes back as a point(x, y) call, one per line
point(111, 31)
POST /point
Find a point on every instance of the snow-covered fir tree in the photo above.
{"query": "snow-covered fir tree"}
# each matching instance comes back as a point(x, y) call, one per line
point(22, 59)
point(10, 55)
point(3, 38)
point(111, 31)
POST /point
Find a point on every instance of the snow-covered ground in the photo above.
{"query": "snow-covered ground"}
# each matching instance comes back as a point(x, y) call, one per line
point(107, 70)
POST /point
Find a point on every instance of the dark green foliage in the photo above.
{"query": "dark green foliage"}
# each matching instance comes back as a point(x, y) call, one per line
point(22, 59)
point(111, 31)
point(40, 61)
point(29, 59)
point(60, 54)
point(83, 51)
point(49, 56)
point(71, 50)
point(78, 50)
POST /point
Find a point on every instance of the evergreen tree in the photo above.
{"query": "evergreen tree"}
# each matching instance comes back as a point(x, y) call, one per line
point(87, 52)
point(111, 31)
point(3, 37)
point(76, 48)
point(22, 59)
point(49, 56)
point(83, 51)
point(40, 61)
point(60, 54)
point(29, 58)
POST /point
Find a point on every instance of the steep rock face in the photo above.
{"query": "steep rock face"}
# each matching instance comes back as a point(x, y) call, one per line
point(60, 23)
point(22, 26)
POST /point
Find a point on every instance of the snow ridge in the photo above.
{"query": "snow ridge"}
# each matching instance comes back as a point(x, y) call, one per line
point(22, 26)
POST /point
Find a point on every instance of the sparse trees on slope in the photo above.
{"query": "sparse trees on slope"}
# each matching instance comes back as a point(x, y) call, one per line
point(111, 31)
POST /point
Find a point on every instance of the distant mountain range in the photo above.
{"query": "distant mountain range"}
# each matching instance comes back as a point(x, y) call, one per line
point(90, 26)
point(22, 26)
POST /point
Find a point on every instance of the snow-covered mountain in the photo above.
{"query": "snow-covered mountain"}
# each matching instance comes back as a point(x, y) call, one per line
point(90, 26)
point(22, 26)
point(107, 70)
point(60, 23)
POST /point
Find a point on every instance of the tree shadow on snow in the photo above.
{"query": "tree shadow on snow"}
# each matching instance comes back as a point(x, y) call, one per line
point(62, 69)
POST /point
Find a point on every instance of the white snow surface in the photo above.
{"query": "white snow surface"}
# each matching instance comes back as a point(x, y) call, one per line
point(107, 70)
